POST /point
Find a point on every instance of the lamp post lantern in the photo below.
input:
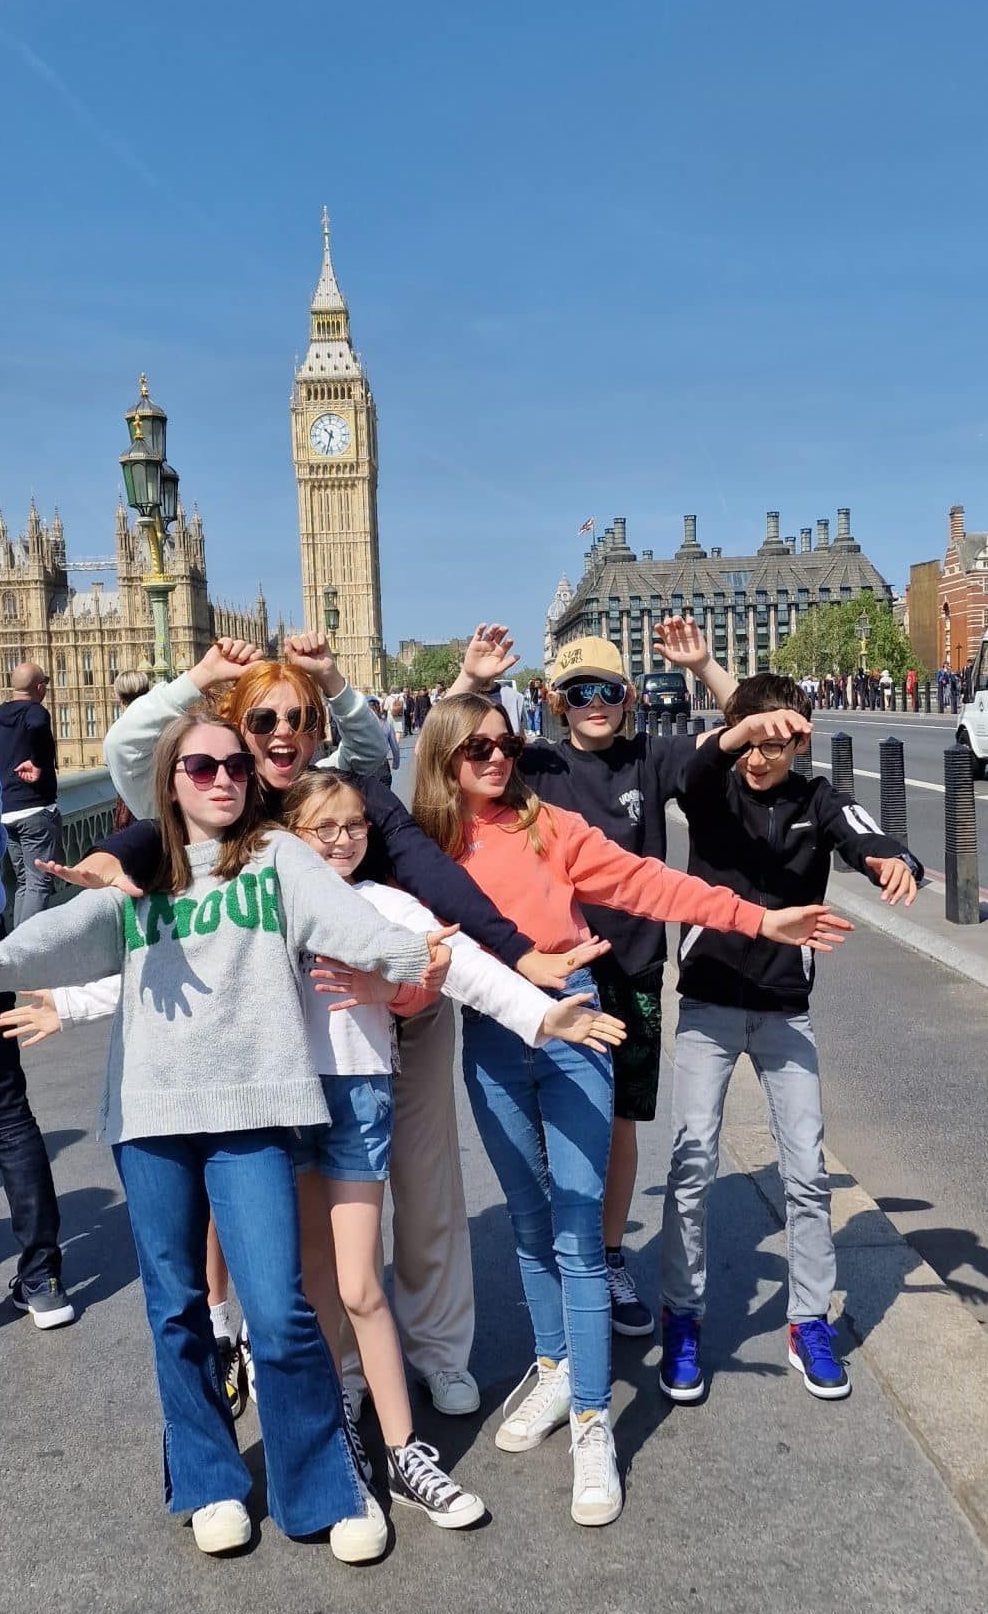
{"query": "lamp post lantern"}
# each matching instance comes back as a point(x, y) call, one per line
point(152, 490)
point(330, 611)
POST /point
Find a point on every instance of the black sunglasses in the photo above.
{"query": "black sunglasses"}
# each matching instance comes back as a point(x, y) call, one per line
point(609, 691)
point(202, 769)
point(480, 749)
point(264, 719)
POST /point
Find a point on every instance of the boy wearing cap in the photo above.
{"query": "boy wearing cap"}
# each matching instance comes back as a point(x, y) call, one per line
point(620, 785)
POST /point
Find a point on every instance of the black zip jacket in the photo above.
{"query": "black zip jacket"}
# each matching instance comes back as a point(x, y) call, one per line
point(772, 847)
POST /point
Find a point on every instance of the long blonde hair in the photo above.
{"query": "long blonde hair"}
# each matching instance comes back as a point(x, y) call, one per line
point(238, 843)
point(437, 804)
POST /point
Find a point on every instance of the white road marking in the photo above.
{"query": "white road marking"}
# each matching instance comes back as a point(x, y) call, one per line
point(917, 784)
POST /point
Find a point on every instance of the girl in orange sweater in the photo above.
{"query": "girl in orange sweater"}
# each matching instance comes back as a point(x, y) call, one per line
point(545, 1115)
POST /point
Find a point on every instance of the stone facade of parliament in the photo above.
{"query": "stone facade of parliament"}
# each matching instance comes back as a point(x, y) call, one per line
point(747, 604)
point(83, 639)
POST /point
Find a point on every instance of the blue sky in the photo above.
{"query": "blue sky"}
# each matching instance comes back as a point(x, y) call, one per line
point(635, 259)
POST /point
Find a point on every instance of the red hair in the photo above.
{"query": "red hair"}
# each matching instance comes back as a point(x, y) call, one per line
point(258, 681)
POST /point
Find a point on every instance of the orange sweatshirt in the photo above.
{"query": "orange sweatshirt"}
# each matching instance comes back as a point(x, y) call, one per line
point(541, 893)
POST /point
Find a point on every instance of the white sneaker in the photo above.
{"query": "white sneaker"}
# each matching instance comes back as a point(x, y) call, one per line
point(221, 1526)
point(453, 1390)
point(545, 1408)
point(597, 1495)
point(365, 1536)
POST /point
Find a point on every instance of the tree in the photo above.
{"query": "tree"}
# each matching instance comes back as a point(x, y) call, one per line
point(827, 640)
point(523, 675)
point(434, 664)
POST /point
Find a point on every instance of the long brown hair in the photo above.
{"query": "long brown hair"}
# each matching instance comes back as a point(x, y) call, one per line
point(437, 803)
point(238, 843)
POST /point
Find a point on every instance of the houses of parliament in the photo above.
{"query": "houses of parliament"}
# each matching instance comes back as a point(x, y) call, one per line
point(84, 637)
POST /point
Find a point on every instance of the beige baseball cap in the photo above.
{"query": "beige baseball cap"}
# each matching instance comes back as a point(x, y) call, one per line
point(588, 658)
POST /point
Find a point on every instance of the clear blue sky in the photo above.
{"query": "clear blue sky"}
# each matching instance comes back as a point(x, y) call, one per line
point(634, 258)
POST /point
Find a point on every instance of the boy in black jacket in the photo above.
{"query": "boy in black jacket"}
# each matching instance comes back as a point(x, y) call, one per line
point(767, 833)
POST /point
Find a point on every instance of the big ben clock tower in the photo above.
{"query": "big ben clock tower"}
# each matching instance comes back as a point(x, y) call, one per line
point(334, 446)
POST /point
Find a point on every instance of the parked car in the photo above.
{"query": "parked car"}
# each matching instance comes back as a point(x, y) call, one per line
point(664, 692)
point(972, 723)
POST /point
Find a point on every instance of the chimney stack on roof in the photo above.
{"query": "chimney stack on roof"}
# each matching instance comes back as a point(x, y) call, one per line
point(805, 540)
point(843, 525)
point(823, 533)
point(771, 526)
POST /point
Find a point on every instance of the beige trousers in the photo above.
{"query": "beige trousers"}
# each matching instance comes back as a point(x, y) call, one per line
point(432, 1270)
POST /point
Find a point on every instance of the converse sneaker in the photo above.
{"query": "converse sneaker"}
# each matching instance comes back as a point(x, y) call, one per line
point(221, 1526)
point(361, 1538)
point(45, 1299)
point(681, 1376)
point(247, 1357)
point(415, 1480)
point(545, 1408)
point(233, 1374)
point(356, 1444)
point(597, 1495)
point(453, 1390)
point(629, 1313)
point(811, 1352)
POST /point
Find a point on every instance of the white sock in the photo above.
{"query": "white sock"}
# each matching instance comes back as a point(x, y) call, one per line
point(219, 1316)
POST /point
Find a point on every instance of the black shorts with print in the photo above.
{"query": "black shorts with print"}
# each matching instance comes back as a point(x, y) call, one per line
point(637, 1000)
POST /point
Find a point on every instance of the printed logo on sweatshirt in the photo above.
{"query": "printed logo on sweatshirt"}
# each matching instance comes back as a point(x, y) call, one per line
point(631, 801)
point(250, 902)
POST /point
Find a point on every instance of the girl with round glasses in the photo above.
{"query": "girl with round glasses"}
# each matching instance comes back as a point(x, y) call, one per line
point(342, 1167)
point(201, 1117)
point(545, 1117)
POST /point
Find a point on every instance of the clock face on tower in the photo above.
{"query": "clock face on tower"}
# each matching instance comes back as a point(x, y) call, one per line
point(329, 434)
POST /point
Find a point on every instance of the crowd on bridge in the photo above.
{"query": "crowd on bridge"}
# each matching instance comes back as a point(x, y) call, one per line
point(279, 944)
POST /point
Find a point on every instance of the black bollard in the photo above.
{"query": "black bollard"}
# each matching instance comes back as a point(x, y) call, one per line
point(960, 837)
point(653, 722)
point(641, 720)
point(892, 769)
point(905, 696)
point(926, 698)
point(666, 725)
point(682, 723)
point(953, 698)
point(698, 725)
point(891, 690)
point(802, 762)
point(842, 775)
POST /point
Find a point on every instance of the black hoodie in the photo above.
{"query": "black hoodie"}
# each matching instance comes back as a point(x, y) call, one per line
point(26, 736)
point(773, 847)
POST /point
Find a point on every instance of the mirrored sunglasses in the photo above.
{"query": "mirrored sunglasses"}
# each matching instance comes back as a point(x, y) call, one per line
point(609, 691)
point(202, 769)
point(264, 719)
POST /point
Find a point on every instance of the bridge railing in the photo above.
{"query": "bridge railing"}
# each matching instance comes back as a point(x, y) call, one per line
point(86, 801)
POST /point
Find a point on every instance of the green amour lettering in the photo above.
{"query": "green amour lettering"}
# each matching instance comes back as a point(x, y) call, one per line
point(209, 913)
point(272, 914)
point(133, 936)
point(244, 914)
point(160, 911)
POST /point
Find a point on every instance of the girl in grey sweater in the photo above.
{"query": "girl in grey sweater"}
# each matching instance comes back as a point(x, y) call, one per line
point(208, 1069)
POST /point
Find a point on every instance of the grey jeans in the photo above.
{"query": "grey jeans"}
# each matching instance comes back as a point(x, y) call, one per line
point(782, 1048)
point(40, 835)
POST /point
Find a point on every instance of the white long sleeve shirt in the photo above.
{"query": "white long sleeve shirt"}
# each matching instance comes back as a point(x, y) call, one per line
point(357, 1042)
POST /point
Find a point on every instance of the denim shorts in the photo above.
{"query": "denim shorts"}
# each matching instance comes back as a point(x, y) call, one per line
point(356, 1145)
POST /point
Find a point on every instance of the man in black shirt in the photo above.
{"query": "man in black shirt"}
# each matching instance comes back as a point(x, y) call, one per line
point(621, 785)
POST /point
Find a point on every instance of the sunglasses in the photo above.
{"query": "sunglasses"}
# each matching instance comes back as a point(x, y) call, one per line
point(202, 769)
point(480, 749)
point(609, 691)
point(264, 719)
point(329, 833)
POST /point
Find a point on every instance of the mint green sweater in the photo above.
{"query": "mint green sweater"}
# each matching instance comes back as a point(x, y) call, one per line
point(209, 1034)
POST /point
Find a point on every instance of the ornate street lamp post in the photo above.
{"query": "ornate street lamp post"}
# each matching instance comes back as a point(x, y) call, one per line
point(330, 612)
point(152, 490)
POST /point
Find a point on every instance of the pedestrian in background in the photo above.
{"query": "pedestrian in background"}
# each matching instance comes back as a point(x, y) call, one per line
point(30, 789)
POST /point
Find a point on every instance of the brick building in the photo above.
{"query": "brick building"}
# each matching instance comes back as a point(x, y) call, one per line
point(963, 593)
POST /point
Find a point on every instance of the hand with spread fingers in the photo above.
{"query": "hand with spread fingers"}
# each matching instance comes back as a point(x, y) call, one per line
point(815, 926)
point(31, 1021)
point(896, 879)
point(551, 971)
point(94, 873)
point(573, 1020)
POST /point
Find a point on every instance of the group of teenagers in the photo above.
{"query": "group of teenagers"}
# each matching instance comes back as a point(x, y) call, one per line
point(281, 942)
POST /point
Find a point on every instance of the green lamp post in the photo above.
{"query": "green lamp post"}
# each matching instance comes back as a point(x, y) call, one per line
point(152, 490)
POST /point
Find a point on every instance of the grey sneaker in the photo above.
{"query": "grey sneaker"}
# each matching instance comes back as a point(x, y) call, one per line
point(46, 1300)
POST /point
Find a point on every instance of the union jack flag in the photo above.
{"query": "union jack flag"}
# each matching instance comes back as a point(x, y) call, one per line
point(588, 525)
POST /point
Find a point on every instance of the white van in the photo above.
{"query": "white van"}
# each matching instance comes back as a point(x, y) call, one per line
point(972, 725)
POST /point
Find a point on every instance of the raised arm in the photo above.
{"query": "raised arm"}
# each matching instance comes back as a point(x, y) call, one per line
point(363, 746)
point(680, 641)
